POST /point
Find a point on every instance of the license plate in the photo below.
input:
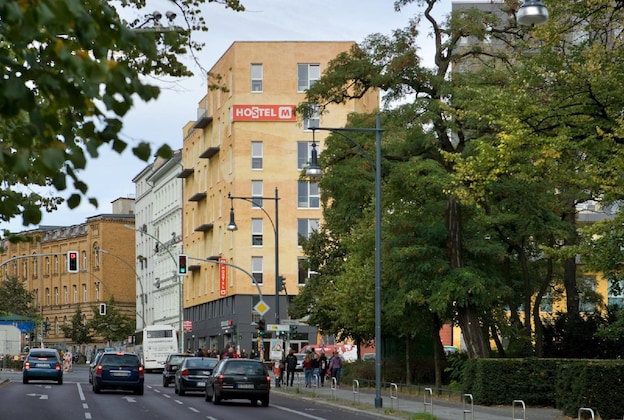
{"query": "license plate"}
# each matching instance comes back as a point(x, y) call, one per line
point(245, 386)
point(43, 365)
point(201, 383)
point(119, 373)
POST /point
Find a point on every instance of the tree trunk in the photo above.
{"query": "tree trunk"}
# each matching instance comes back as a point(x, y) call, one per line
point(438, 351)
point(569, 273)
point(468, 315)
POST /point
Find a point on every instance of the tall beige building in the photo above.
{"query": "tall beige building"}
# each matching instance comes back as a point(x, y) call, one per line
point(242, 160)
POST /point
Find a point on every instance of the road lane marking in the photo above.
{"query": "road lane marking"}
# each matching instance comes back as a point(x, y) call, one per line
point(310, 416)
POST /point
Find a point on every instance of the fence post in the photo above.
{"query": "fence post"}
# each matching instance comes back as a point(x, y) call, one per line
point(394, 395)
point(356, 390)
point(513, 409)
point(428, 392)
point(468, 397)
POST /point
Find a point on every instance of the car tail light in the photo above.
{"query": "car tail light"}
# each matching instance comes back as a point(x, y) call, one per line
point(26, 365)
point(98, 370)
point(58, 366)
point(141, 371)
point(220, 379)
point(184, 372)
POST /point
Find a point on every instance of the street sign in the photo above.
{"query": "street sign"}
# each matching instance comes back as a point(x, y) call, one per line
point(261, 307)
point(277, 327)
point(187, 325)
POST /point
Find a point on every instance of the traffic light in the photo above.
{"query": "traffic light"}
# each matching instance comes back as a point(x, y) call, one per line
point(72, 261)
point(102, 309)
point(46, 327)
point(261, 327)
point(293, 330)
point(182, 265)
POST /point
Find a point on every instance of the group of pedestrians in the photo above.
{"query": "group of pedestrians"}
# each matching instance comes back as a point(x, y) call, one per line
point(316, 367)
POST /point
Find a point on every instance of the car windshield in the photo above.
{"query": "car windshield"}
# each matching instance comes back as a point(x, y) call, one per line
point(114, 360)
point(244, 368)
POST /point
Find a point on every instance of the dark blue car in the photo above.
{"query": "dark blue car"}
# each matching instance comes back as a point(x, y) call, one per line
point(119, 370)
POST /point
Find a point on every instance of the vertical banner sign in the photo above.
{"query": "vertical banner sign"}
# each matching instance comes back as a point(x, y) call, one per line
point(223, 278)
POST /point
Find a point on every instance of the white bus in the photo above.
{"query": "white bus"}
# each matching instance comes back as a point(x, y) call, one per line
point(154, 343)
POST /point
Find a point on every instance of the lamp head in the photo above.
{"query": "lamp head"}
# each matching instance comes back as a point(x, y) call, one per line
point(231, 226)
point(314, 170)
point(532, 12)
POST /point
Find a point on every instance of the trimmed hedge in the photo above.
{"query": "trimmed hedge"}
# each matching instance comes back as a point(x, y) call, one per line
point(562, 383)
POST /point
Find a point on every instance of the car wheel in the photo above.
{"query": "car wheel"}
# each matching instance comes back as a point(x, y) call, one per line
point(254, 402)
point(60, 381)
point(181, 391)
point(265, 402)
point(217, 399)
point(139, 390)
point(25, 380)
point(165, 382)
point(96, 388)
point(208, 396)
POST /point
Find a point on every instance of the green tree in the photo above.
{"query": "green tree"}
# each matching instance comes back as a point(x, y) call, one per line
point(78, 330)
point(16, 300)
point(71, 71)
point(114, 325)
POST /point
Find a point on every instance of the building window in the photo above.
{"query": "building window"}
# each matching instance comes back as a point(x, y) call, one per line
point(85, 296)
point(257, 191)
point(304, 153)
point(256, 154)
point(615, 298)
point(305, 227)
point(308, 195)
point(256, 77)
point(56, 295)
point(34, 266)
point(97, 291)
point(75, 293)
point(84, 260)
point(307, 75)
point(313, 120)
point(587, 288)
point(65, 295)
point(304, 273)
point(256, 232)
point(96, 257)
point(56, 264)
point(256, 269)
point(47, 293)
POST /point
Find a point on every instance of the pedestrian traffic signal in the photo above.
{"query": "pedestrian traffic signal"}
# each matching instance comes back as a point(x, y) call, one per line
point(261, 327)
point(102, 309)
point(182, 265)
point(72, 261)
point(293, 329)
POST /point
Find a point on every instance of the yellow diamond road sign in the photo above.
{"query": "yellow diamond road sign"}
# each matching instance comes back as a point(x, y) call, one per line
point(261, 307)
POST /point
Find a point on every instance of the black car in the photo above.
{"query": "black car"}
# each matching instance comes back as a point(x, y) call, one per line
point(193, 373)
point(119, 370)
point(239, 379)
point(171, 366)
point(43, 364)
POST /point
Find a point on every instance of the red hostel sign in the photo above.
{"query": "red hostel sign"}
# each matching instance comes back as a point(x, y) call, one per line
point(263, 113)
point(223, 278)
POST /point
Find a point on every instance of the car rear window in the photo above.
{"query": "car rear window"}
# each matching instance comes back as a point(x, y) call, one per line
point(200, 364)
point(243, 368)
point(176, 360)
point(115, 360)
point(40, 355)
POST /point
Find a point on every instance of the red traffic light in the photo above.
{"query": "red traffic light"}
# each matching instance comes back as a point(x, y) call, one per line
point(72, 262)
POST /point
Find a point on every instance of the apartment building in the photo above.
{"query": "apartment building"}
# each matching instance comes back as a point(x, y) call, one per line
point(158, 211)
point(242, 160)
point(106, 260)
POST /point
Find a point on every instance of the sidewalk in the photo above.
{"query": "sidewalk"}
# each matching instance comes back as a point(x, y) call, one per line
point(405, 406)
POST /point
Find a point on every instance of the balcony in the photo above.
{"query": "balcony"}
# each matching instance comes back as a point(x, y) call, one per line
point(204, 227)
point(195, 267)
point(203, 119)
point(198, 196)
point(186, 172)
point(209, 152)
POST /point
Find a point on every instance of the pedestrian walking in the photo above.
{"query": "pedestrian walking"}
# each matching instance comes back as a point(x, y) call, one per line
point(335, 366)
point(307, 369)
point(316, 368)
point(323, 367)
point(291, 367)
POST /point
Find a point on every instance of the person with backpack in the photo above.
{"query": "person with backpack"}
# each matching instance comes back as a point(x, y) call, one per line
point(323, 367)
point(291, 366)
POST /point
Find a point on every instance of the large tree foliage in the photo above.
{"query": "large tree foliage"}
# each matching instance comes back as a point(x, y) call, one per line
point(112, 326)
point(15, 299)
point(70, 72)
point(78, 330)
point(483, 167)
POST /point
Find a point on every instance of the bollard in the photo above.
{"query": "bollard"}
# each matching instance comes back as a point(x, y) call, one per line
point(394, 395)
point(356, 390)
point(468, 410)
point(428, 392)
point(513, 409)
point(588, 410)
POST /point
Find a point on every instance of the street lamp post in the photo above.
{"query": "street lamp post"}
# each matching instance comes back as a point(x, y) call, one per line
point(314, 171)
point(232, 227)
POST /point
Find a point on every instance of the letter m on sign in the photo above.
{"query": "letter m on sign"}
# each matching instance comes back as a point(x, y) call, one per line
point(286, 113)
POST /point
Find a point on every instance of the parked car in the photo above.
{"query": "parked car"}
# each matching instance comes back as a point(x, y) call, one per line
point(193, 373)
point(45, 364)
point(232, 379)
point(171, 366)
point(119, 370)
point(300, 357)
point(93, 365)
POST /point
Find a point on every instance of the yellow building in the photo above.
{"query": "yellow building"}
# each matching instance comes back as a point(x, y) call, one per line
point(106, 261)
point(242, 160)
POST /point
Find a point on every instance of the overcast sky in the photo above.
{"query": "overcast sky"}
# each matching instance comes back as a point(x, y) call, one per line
point(161, 121)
